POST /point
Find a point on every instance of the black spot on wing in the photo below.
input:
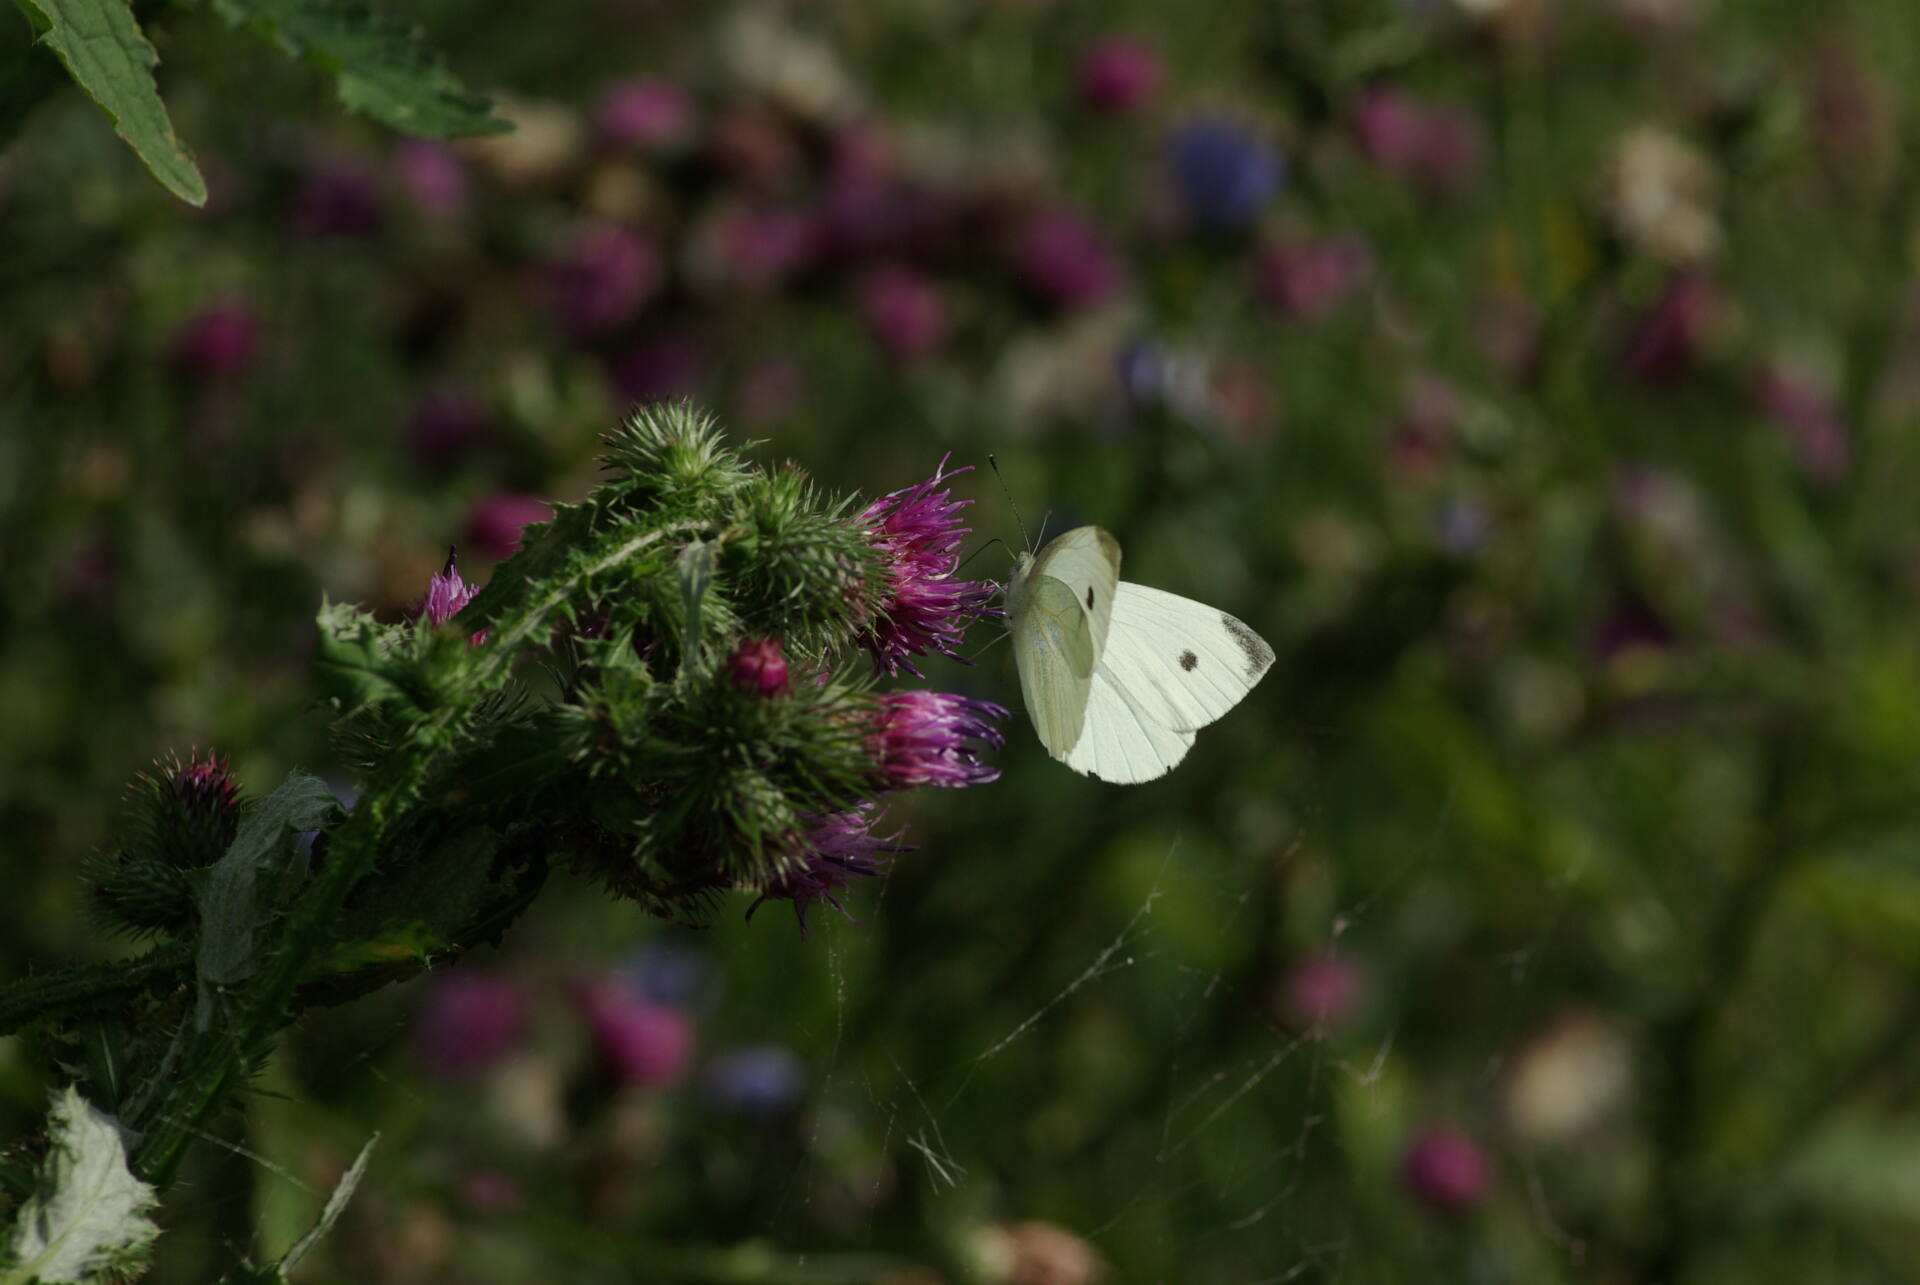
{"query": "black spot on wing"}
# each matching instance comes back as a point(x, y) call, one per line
point(1089, 597)
point(1252, 645)
point(1188, 660)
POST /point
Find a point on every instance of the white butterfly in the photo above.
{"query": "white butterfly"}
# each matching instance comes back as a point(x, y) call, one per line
point(1117, 677)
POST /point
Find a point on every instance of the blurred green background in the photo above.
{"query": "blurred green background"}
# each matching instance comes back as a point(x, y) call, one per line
point(1540, 378)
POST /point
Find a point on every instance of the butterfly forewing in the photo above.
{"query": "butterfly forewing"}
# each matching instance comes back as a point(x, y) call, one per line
point(1087, 561)
point(1183, 663)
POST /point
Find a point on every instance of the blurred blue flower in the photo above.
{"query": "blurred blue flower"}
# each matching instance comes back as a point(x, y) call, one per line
point(1142, 366)
point(1224, 172)
point(664, 972)
point(755, 1079)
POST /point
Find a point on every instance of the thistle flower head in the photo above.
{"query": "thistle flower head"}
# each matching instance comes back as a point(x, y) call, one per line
point(447, 593)
point(927, 610)
point(929, 738)
point(838, 850)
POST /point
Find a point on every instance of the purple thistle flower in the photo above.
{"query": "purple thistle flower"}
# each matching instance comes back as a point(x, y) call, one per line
point(471, 1023)
point(755, 1079)
point(1118, 74)
point(218, 343)
point(904, 312)
point(926, 738)
point(447, 594)
point(638, 1041)
point(602, 280)
point(433, 176)
point(759, 668)
point(643, 114)
point(837, 850)
point(497, 521)
point(1064, 259)
point(1224, 172)
point(927, 610)
point(1446, 1171)
point(204, 786)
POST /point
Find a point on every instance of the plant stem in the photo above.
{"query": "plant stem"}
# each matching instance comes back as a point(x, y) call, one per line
point(92, 988)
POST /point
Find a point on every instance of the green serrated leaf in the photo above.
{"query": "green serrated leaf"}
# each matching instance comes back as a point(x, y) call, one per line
point(353, 661)
point(102, 48)
point(235, 897)
point(695, 566)
point(90, 1214)
point(381, 67)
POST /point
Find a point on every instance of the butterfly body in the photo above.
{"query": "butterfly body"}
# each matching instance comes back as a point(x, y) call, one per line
point(1118, 677)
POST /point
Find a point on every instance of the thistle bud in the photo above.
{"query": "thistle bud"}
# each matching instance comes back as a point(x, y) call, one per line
point(759, 668)
point(181, 817)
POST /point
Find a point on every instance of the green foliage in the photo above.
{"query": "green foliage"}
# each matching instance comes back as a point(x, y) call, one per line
point(382, 67)
point(88, 1218)
point(103, 49)
point(275, 1273)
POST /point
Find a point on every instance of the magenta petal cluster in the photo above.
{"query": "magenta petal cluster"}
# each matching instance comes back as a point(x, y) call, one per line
point(471, 1023)
point(1445, 1170)
point(447, 593)
point(933, 738)
point(759, 668)
point(927, 610)
point(639, 1042)
point(839, 849)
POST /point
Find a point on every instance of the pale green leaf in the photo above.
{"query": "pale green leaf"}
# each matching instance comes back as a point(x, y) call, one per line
point(90, 1214)
point(695, 566)
point(101, 47)
point(336, 1203)
point(380, 66)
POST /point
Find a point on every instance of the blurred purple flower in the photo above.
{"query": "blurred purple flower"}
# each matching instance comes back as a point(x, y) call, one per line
point(657, 368)
point(755, 1079)
point(470, 1023)
point(644, 113)
point(1438, 148)
point(638, 1041)
point(1142, 367)
point(1321, 992)
point(495, 524)
point(337, 198)
point(759, 668)
point(929, 738)
point(673, 975)
point(445, 426)
point(602, 279)
point(1224, 173)
point(904, 312)
point(1065, 260)
point(1446, 1171)
point(217, 343)
point(1118, 74)
point(1309, 279)
point(433, 176)
point(759, 249)
point(1667, 340)
point(837, 850)
point(1810, 420)
point(917, 529)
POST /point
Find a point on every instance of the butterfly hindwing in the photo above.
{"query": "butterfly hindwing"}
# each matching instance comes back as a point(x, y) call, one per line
point(1121, 744)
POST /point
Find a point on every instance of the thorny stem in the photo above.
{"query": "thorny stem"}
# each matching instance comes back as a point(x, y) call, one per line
point(92, 988)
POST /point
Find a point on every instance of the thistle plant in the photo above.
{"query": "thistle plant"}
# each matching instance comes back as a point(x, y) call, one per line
point(667, 690)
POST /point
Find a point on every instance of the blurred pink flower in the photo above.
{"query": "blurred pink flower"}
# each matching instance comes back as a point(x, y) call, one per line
point(1321, 992)
point(1446, 1171)
point(488, 1191)
point(1811, 422)
point(494, 526)
point(1437, 147)
point(904, 312)
point(602, 279)
point(1309, 279)
point(1118, 74)
point(1063, 258)
point(470, 1023)
point(638, 1041)
point(433, 176)
point(1668, 339)
point(644, 113)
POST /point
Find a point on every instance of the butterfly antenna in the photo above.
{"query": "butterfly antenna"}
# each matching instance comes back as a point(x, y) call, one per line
point(1044, 519)
point(991, 541)
point(1008, 491)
